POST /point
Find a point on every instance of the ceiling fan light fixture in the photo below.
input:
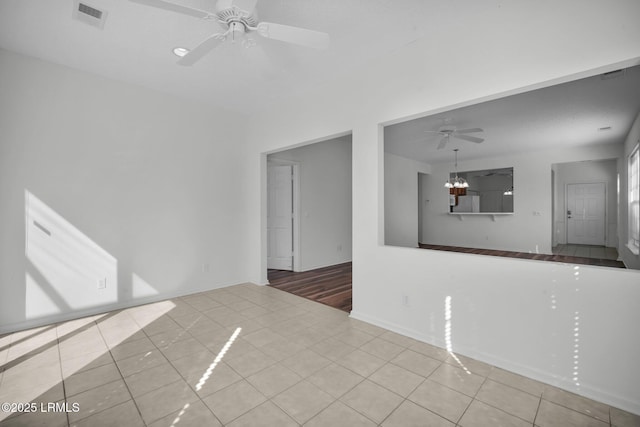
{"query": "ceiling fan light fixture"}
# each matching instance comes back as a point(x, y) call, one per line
point(180, 51)
point(236, 30)
point(236, 24)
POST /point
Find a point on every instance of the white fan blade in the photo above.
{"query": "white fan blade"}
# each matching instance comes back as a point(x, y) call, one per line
point(469, 130)
point(202, 49)
point(246, 5)
point(470, 138)
point(165, 5)
point(295, 35)
point(443, 142)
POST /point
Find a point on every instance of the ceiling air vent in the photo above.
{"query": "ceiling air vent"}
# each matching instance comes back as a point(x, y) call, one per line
point(89, 14)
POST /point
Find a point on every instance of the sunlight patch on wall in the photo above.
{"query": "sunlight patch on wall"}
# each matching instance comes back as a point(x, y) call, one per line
point(576, 335)
point(66, 270)
point(447, 333)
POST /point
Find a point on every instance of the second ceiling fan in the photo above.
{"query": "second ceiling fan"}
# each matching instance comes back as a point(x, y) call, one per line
point(237, 18)
point(448, 132)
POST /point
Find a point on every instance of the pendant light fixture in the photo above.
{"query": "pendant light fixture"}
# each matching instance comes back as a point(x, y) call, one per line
point(509, 191)
point(456, 182)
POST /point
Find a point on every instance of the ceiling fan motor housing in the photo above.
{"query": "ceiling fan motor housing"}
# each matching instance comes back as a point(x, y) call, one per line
point(235, 18)
point(447, 129)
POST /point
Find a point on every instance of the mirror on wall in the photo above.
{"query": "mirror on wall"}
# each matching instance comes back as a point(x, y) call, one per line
point(481, 191)
point(558, 139)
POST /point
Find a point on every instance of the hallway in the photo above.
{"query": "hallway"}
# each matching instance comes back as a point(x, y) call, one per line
point(328, 285)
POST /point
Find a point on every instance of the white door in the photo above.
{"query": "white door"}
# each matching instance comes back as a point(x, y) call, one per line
point(280, 217)
point(586, 214)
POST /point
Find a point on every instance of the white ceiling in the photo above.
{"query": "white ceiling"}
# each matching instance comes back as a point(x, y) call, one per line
point(136, 42)
point(565, 115)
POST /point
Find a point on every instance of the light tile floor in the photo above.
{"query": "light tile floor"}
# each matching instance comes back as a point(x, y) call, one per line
point(248, 355)
point(587, 251)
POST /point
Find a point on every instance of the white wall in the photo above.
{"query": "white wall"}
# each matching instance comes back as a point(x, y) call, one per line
point(325, 201)
point(135, 186)
point(529, 228)
point(605, 171)
point(502, 308)
point(161, 202)
point(630, 259)
point(401, 200)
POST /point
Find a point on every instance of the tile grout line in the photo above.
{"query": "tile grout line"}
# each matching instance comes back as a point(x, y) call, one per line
point(302, 379)
point(473, 399)
point(243, 378)
point(200, 398)
point(170, 362)
point(537, 410)
point(64, 385)
point(515, 388)
point(120, 372)
point(577, 411)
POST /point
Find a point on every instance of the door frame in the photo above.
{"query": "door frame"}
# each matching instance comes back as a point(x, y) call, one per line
point(566, 204)
point(296, 206)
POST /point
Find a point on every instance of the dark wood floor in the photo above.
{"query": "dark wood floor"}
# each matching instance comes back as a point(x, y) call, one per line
point(328, 285)
point(541, 257)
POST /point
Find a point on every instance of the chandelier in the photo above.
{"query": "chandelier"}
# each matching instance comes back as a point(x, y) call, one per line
point(456, 182)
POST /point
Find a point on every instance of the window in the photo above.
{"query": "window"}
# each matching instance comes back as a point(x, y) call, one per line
point(634, 201)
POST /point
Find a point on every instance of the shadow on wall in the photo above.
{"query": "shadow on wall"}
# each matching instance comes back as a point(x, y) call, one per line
point(66, 271)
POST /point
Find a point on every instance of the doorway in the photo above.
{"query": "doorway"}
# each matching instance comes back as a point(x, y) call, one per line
point(322, 204)
point(282, 216)
point(587, 189)
point(586, 214)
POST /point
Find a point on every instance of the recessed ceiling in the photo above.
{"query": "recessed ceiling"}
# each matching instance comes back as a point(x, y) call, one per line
point(590, 111)
point(136, 43)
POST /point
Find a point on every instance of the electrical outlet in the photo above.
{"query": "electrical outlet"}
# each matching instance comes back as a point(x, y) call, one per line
point(339, 248)
point(102, 283)
point(205, 267)
point(405, 300)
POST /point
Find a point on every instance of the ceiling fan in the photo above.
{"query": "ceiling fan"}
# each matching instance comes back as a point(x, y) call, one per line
point(448, 132)
point(237, 18)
